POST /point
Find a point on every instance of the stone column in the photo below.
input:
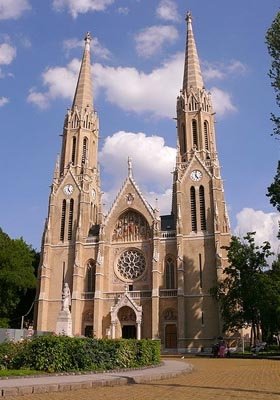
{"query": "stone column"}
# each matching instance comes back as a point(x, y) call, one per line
point(113, 330)
point(138, 330)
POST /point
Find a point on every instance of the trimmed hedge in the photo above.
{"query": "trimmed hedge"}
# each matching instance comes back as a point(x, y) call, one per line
point(61, 353)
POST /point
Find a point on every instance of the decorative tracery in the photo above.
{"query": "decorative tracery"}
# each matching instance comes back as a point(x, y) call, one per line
point(131, 264)
point(131, 226)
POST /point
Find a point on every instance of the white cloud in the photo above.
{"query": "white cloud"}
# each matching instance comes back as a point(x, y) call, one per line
point(264, 224)
point(167, 10)
point(152, 162)
point(136, 91)
point(123, 10)
point(223, 70)
point(7, 53)
point(96, 48)
point(3, 101)
point(151, 40)
point(13, 9)
point(60, 83)
point(154, 93)
point(222, 101)
point(77, 7)
point(148, 153)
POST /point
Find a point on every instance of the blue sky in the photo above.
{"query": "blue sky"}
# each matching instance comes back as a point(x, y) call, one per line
point(137, 56)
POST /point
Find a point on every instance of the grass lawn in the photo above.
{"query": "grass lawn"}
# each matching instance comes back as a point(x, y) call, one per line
point(18, 372)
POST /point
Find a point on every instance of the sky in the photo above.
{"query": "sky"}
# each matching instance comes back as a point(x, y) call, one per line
point(137, 55)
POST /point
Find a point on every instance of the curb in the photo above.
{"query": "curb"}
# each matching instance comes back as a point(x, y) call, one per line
point(90, 382)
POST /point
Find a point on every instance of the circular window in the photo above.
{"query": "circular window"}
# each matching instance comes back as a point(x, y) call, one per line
point(131, 264)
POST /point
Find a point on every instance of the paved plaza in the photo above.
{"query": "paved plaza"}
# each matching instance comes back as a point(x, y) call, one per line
point(209, 379)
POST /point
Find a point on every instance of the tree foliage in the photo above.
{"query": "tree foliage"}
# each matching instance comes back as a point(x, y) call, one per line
point(16, 274)
point(273, 45)
point(250, 291)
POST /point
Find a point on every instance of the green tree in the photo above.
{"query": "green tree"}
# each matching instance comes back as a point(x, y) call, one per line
point(243, 293)
point(16, 274)
point(273, 45)
point(270, 301)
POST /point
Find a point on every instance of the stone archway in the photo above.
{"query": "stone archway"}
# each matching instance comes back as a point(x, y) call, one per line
point(130, 310)
point(127, 318)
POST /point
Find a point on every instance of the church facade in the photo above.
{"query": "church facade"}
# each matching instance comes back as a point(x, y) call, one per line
point(134, 272)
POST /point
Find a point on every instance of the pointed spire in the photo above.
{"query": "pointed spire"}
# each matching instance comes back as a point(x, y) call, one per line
point(83, 94)
point(192, 72)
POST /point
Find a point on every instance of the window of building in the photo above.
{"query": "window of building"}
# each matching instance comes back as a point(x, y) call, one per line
point(62, 225)
point(85, 150)
point(90, 276)
point(194, 133)
point(169, 273)
point(193, 209)
point(206, 135)
point(70, 220)
point(73, 155)
point(202, 209)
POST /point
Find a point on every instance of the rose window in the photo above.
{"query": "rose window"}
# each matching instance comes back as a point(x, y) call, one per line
point(131, 264)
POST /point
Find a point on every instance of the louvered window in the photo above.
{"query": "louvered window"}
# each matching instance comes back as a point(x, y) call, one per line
point(193, 209)
point(70, 220)
point(85, 150)
point(202, 209)
point(194, 132)
point(73, 150)
point(206, 135)
point(62, 226)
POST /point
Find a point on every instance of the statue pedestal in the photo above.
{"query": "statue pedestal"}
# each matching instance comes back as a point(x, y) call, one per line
point(64, 323)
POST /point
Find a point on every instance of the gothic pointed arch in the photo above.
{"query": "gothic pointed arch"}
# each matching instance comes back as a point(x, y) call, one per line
point(169, 272)
point(131, 226)
point(90, 276)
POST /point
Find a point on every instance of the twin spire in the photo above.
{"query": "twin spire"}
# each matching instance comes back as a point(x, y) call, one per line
point(83, 95)
point(192, 72)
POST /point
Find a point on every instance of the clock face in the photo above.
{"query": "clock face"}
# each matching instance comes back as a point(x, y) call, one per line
point(196, 175)
point(68, 189)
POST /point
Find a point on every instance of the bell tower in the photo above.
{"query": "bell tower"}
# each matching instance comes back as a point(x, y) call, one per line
point(74, 202)
point(199, 207)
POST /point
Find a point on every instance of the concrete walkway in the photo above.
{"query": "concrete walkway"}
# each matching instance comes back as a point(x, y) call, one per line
point(60, 383)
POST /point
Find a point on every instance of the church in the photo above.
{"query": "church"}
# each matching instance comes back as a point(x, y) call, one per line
point(134, 273)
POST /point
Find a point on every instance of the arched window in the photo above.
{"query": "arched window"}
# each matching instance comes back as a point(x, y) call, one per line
point(169, 273)
point(73, 155)
point(90, 276)
point(70, 220)
point(62, 225)
point(202, 208)
point(206, 135)
point(184, 141)
point(193, 209)
point(194, 133)
point(85, 150)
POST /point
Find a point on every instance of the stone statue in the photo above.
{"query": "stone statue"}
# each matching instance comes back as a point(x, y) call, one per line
point(66, 298)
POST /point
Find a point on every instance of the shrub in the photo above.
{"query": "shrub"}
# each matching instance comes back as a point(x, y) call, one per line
point(61, 353)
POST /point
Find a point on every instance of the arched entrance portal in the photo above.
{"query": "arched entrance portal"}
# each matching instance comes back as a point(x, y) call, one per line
point(129, 314)
point(127, 320)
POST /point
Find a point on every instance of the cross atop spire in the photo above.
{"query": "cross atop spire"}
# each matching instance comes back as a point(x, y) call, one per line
point(83, 94)
point(192, 72)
